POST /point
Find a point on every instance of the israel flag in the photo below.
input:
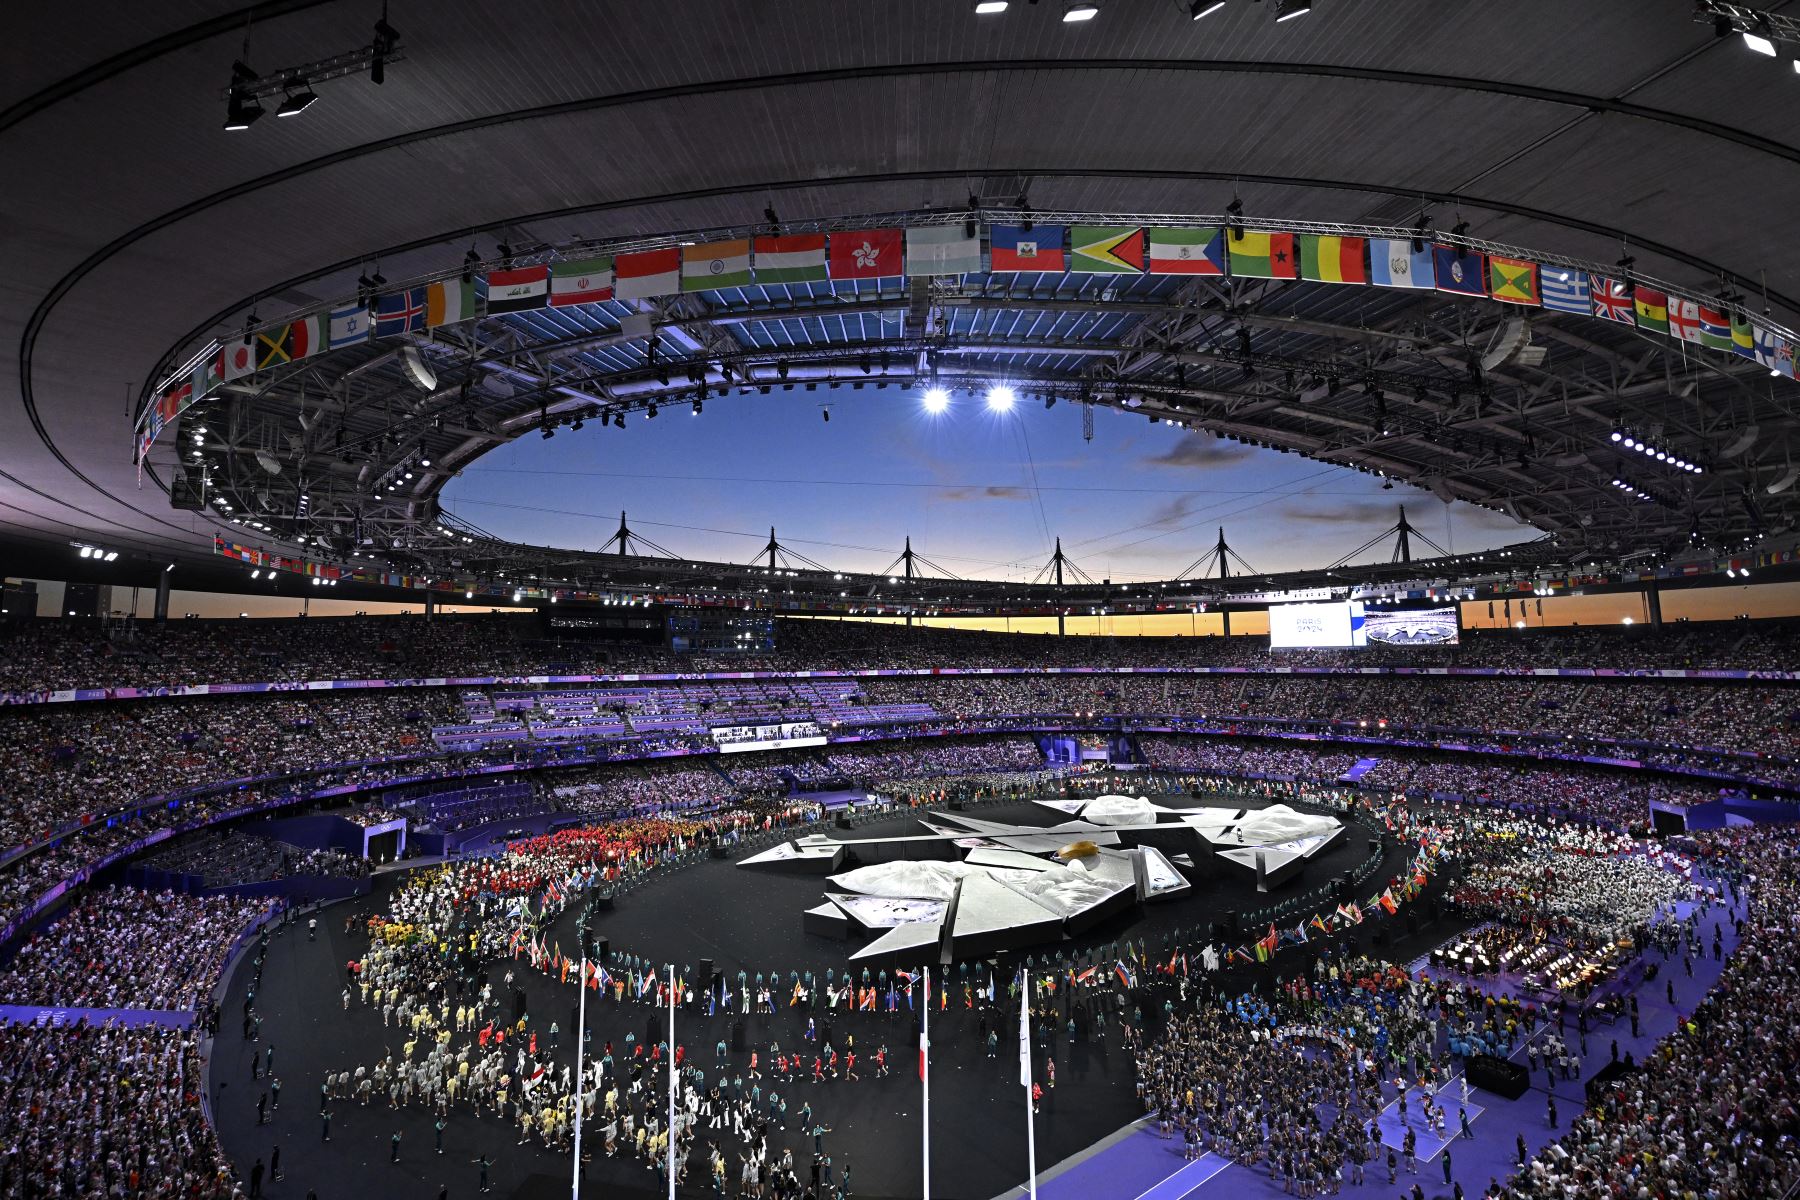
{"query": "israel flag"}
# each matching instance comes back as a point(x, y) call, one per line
point(1394, 263)
point(1564, 289)
point(349, 326)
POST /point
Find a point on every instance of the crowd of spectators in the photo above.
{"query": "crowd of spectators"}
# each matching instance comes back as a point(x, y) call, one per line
point(126, 948)
point(1712, 1112)
point(639, 788)
point(57, 655)
point(104, 1111)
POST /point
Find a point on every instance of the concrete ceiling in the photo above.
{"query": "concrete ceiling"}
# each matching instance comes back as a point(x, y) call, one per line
point(135, 224)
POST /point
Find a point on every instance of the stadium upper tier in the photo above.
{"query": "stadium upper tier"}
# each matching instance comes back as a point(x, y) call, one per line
point(43, 659)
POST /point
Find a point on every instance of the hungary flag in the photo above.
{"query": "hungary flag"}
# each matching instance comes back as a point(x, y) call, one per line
point(1332, 259)
point(799, 258)
point(1256, 254)
point(582, 281)
point(715, 265)
point(1181, 251)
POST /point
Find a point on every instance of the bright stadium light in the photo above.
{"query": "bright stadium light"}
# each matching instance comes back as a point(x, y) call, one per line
point(936, 400)
point(1080, 12)
point(1759, 43)
point(1000, 398)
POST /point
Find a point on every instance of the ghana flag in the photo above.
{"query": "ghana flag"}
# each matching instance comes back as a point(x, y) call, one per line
point(1258, 254)
point(1513, 280)
point(1333, 259)
point(1106, 250)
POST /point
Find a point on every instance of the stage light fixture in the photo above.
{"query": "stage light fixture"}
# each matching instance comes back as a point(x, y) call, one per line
point(985, 8)
point(650, 412)
point(619, 420)
point(936, 400)
point(241, 113)
point(1079, 11)
point(1001, 398)
point(297, 102)
point(826, 413)
point(1201, 9)
point(698, 405)
point(1762, 38)
point(1287, 10)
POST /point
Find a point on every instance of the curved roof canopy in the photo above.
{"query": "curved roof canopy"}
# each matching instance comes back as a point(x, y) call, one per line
point(517, 133)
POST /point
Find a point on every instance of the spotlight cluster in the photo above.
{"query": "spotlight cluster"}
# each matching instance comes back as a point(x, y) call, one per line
point(1627, 440)
point(97, 553)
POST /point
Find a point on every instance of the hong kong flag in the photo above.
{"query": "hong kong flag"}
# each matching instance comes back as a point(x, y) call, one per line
point(868, 254)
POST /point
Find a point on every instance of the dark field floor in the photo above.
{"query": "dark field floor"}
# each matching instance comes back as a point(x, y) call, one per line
point(741, 919)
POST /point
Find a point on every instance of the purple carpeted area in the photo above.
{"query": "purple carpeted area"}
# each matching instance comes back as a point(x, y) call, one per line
point(1145, 1166)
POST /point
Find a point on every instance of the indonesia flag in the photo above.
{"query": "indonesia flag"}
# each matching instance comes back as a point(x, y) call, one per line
point(924, 1048)
point(647, 274)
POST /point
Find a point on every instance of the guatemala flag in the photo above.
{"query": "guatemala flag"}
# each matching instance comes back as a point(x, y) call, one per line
point(1393, 263)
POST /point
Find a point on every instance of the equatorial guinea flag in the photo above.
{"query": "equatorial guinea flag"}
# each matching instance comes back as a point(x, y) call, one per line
point(1186, 251)
point(581, 281)
point(796, 258)
point(869, 254)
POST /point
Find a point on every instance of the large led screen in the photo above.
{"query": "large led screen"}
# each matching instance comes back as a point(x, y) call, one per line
point(1302, 626)
point(1436, 626)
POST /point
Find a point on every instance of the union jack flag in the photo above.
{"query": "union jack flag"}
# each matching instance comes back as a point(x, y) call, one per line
point(1612, 300)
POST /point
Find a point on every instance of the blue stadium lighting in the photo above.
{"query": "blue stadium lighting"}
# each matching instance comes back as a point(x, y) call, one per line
point(1001, 398)
point(936, 400)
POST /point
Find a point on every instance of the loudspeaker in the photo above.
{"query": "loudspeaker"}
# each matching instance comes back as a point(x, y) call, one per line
point(842, 821)
point(518, 1003)
point(720, 852)
point(737, 1036)
point(704, 977)
point(654, 1031)
point(1498, 1075)
point(599, 948)
point(602, 901)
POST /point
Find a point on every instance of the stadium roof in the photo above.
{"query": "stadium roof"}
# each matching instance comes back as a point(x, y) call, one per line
point(143, 232)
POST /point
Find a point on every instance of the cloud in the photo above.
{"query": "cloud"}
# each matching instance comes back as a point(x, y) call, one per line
point(1173, 512)
point(1198, 450)
point(991, 492)
point(1348, 512)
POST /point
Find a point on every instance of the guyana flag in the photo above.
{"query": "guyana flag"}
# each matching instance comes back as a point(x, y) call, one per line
point(1106, 250)
point(1512, 280)
point(1256, 254)
point(1333, 259)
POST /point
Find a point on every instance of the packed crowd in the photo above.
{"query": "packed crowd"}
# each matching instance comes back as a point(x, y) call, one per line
point(103, 1111)
point(53, 655)
point(126, 948)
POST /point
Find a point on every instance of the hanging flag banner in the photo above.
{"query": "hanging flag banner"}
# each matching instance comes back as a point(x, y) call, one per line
point(1398, 263)
point(1014, 248)
point(871, 254)
point(1106, 250)
point(799, 258)
point(1328, 259)
point(647, 274)
point(518, 290)
point(942, 250)
point(1187, 251)
point(715, 265)
point(581, 281)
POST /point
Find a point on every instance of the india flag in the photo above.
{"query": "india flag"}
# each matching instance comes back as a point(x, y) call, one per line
point(715, 265)
point(799, 258)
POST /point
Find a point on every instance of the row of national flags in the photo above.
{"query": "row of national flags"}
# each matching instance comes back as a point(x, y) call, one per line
point(959, 249)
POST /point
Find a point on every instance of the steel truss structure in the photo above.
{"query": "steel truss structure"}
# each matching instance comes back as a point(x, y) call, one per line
point(344, 455)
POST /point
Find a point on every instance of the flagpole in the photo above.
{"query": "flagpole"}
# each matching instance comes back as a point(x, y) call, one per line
point(925, 1077)
point(672, 1081)
point(580, 1035)
point(1025, 1078)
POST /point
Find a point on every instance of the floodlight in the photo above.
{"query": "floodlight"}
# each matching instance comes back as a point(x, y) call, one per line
point(1001, 398)
point(936, 400)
